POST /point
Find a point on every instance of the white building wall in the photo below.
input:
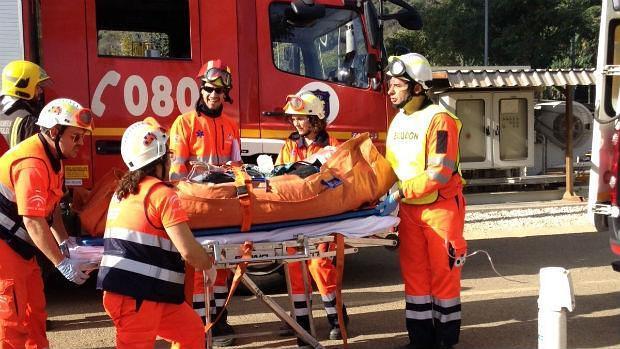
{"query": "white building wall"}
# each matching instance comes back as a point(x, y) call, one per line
point(11, 35)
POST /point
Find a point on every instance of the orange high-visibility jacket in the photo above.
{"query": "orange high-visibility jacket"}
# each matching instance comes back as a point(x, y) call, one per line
point(197, 137)
point(31, 184)
point(295, 148)
point(139, 259)
point(423, 149)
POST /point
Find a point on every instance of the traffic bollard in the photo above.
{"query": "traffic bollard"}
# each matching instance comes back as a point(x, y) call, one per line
point(555, 297)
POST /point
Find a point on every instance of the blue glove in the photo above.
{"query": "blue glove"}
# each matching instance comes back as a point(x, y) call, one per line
point(71, 269)
point(386, 207)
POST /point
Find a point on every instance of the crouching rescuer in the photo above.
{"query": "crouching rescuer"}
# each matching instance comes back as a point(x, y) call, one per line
point(146, 241)
point(423, 148)
point(31, 186)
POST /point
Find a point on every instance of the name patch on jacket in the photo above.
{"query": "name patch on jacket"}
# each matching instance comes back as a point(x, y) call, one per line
point(404, 135)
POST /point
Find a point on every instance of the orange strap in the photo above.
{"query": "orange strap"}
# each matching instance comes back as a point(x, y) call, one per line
point(246, 253)
point(189, 283)
point(339, 273)
point(244, 189)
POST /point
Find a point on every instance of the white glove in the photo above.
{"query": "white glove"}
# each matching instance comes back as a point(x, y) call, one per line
point(68, 244)
point(210, 275)
point(71, 269)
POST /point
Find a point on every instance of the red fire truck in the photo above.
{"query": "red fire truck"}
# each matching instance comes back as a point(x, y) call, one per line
point(128, 59)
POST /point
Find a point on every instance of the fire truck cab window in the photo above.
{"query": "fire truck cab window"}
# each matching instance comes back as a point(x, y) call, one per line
point(331, 48)
point(143, 28)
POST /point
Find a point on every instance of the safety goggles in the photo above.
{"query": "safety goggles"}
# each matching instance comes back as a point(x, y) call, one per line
point(210, 89)
point(396, 67)
point(295, 102)
point(84, 118)
point(215, 73)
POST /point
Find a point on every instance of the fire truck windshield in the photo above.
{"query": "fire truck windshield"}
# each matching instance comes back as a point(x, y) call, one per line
point(331, 48)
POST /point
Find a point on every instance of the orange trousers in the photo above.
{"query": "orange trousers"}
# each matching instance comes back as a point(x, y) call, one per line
point(138, 327)
point(432, 286)
point(322, 271)
point(22, 302)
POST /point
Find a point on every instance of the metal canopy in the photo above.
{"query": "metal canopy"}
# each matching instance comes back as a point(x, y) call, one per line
point(489, 77)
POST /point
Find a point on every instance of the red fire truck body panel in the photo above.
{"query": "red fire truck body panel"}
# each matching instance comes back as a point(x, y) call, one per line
point(122, 89)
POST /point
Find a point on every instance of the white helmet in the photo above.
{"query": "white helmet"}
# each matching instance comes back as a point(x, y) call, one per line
point(65, 112)
point(410, 66)
point(305, 103)
point(143, 142)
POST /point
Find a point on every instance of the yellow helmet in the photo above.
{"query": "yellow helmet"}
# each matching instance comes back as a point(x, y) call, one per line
point(305, 103)
point(20, 79)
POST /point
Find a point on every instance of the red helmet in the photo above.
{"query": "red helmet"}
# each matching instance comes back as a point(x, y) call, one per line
point(216, 73)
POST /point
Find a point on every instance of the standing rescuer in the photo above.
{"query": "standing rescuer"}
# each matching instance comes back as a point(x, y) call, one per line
point(423, 148)
point(31, 185)
point(307, 115)
point(208, 135)
point(146, 240)
point(21, 100)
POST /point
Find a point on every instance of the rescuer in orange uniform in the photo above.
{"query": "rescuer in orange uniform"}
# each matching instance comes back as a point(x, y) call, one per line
point(307, 114)
point(21, 100)
point(145, 243)
point(423, 148)
point(208, 135)
point(31, 185)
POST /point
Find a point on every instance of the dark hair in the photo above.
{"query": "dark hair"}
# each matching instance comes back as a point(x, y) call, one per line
point(128, 184)
point(317, 125)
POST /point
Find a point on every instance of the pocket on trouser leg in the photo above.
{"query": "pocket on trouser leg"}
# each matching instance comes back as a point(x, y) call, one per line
point(9, 312)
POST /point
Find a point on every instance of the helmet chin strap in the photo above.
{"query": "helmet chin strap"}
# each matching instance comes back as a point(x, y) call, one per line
point(61, 156)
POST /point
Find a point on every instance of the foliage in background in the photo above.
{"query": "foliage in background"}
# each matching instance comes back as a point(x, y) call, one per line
point(536, 33)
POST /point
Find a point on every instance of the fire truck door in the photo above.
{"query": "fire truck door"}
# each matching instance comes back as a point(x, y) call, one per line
point(328, 56)
point(142, 61)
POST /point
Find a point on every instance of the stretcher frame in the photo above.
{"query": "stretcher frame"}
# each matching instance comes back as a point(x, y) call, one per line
point(308, 250)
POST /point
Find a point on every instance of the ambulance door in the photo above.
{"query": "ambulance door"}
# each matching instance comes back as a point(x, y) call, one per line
point(143, 56)
point(327, 54)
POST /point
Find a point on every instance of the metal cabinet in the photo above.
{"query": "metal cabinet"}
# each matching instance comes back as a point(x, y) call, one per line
point(498, 127)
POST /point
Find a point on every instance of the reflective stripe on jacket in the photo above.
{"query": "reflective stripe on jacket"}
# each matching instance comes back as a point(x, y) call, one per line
point(18, 119)
point(423, 150)
point(295, 148)
point(12, 229)
point(139, 259)
point(194, 137)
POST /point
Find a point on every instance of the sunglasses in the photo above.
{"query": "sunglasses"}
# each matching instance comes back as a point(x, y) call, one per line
point(217, 90)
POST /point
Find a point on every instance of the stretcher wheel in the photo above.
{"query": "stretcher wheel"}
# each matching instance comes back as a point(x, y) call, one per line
point(393, 236)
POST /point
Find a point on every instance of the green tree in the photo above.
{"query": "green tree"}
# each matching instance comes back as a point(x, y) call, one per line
point(538, 33)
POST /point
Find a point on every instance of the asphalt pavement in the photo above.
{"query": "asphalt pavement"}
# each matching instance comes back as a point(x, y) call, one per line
point(498, 312)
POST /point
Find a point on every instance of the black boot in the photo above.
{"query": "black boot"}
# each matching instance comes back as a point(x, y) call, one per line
point(304, 322)
point(335, 332)
point(222, 332)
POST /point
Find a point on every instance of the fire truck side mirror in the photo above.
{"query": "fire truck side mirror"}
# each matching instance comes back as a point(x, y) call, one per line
point(408, 17)
point(372, 67)
point(304, 11)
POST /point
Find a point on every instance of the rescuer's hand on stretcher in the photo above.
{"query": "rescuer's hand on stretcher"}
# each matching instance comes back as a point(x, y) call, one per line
point(73, 270)
point(210, 275)
point(387, 206)
point(191, 251)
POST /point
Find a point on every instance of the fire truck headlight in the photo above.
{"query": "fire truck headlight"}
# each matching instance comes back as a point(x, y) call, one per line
point(612, 181)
